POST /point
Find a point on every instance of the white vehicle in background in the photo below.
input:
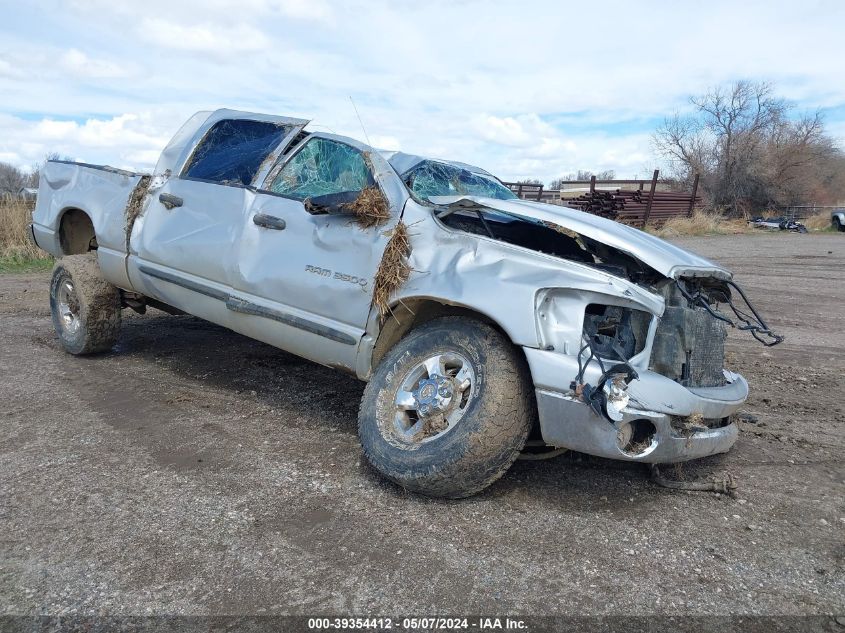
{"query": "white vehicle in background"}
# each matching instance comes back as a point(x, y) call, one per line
point(475, 317)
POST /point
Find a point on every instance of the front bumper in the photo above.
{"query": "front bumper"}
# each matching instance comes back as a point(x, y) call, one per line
point(656, 401)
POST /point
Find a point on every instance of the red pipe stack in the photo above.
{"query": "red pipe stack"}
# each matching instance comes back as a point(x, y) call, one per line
point(630, 206)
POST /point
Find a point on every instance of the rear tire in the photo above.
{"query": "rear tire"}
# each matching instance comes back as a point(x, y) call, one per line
point(85, 307)
point(448, 409)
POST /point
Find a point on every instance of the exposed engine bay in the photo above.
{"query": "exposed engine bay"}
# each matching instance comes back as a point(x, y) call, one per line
point(688, 300)
point(548, 239)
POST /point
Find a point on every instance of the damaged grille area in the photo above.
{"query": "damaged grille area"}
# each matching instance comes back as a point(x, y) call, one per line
point(689, 345)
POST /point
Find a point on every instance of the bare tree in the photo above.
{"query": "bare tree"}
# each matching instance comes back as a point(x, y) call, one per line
point(11, 179)
point(582, 174)
point(748, 150)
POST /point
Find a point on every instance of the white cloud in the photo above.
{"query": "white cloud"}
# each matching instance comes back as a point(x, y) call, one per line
point(128, 140)
point(517, 131)
point(389, 143)
point(477, 82)
point(215, 40)
point(78, 63)
point(307, 10)
point(7, 69)
point(304, 10)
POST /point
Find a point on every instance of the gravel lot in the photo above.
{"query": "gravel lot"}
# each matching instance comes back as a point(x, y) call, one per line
point(194, 471)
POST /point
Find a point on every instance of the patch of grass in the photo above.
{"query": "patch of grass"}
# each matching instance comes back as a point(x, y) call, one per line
point(818, 222)
point(17, 253)
point(702, 223)
point(16, 264)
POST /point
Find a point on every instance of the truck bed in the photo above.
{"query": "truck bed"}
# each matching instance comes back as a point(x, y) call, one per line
point(103, 193)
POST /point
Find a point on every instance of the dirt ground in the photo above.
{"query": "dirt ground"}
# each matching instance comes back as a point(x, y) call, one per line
point(194, 471)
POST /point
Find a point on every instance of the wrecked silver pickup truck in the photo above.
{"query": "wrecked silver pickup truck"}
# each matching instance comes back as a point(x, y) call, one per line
point(477, 319)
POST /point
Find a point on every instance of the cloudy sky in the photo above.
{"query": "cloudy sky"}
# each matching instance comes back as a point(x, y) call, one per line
point(522, 89)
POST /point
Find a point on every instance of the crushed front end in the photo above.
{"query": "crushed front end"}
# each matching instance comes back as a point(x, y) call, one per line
point(628, 361)
point(643, 384)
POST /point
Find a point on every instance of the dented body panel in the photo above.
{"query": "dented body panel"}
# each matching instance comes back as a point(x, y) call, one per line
point(279, 268)
point(667, 259)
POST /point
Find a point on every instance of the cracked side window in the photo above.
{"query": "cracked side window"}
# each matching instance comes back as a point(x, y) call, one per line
point(232, 151)
point(322, 167)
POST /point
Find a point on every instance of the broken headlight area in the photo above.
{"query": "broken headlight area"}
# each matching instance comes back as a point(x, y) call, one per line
point(614, 332)
point(688, 344)
point(609, 336)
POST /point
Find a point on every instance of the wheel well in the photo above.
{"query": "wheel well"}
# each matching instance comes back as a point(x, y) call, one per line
point(411, 313)
point(76, 233)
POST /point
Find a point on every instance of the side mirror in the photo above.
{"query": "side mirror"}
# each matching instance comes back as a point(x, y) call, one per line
point(331, 203)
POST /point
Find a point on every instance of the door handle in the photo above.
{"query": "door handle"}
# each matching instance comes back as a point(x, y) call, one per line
point(170, 201)
point(268, 221)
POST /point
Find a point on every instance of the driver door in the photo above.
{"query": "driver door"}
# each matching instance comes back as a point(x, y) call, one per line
point(304, 281)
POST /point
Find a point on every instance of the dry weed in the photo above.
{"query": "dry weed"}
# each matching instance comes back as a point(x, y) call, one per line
point(818, 222)
point(393, 270)
point(135, 205)
point(702, 223)
point(370, 208)
point(15, 216)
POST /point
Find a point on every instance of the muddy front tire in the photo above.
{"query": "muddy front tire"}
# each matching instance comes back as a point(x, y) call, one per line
point(85, 307)
point(448, 409)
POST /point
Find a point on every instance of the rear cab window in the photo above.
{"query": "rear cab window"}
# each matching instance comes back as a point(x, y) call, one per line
point(232, 150)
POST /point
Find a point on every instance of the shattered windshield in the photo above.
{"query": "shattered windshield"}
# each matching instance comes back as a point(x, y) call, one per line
point(322, 167)
point(433, 178)
point(233, 150)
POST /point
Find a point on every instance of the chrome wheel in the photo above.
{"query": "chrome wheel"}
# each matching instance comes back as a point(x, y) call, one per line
point(68, 304)
point(433, 397)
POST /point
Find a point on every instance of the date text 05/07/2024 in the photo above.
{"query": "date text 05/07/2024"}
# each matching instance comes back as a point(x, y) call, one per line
point(423, 623)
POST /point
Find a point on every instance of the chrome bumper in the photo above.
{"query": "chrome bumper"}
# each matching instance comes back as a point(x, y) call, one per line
point(570, 423)
point(655, 400)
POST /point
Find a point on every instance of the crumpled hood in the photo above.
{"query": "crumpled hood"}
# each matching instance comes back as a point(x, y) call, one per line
point(665, 258)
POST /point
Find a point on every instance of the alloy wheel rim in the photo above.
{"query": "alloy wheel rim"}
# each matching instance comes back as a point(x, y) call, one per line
point(433, 397)
point(68, 307)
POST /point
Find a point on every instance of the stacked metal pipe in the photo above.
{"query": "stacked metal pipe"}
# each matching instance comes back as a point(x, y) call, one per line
point(631, 206)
